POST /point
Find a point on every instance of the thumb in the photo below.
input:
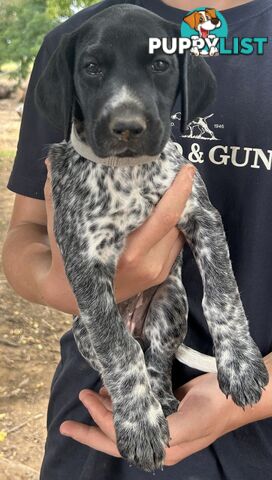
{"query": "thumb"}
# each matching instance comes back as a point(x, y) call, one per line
point(168, 211)
point(99, 412)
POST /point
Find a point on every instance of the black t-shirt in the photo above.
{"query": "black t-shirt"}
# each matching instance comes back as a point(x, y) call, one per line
point(231, 145)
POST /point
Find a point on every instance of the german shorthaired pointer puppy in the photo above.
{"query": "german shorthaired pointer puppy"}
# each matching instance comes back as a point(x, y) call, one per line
point(107, 177)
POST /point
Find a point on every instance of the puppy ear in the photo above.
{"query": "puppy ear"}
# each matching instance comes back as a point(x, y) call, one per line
point(211, 12)
point(192, 20)
point(54, 93)
point(198, 87)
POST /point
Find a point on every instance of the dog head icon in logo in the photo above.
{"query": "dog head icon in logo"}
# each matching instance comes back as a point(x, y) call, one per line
point(205, 26)
point(204, 21)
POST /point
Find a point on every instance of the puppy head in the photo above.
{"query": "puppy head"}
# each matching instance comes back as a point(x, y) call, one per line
point(102, 77)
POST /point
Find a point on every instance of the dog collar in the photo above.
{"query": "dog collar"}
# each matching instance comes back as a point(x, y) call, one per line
point(85, 151)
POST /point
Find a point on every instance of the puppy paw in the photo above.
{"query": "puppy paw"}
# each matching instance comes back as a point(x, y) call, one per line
point(243, 375)
point(142, 438)
point(214, 52)
point(195, 51)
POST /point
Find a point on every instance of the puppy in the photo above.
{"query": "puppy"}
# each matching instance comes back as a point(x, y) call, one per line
point(107, 177)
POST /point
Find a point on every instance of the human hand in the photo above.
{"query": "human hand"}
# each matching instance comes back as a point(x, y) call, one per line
point(204, 415)
point(150, 251)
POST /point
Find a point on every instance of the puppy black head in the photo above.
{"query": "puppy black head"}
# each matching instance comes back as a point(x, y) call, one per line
point(102, 77)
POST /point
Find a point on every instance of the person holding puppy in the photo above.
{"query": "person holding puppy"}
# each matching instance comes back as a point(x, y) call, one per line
point(211, 438)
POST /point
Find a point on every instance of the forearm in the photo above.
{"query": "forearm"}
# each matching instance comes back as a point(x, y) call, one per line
point(34, 267)
point(27, 262)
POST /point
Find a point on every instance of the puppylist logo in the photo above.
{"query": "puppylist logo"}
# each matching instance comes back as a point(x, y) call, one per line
point(204, 31)
point(205, 27)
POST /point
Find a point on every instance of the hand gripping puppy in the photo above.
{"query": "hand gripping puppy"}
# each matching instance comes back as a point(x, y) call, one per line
point(114, 101)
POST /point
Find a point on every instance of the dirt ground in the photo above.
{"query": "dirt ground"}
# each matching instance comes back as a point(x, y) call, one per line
point(29, 344)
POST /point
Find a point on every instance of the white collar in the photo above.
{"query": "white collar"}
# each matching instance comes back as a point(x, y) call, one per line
point(85, 151)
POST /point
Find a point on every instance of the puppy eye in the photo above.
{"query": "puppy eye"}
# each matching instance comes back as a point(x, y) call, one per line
point(160, 66)
point(201, 20)
point(93, 69)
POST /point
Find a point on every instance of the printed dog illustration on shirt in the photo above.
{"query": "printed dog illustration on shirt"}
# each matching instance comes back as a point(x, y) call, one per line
point(204, 22)
point(197, 128)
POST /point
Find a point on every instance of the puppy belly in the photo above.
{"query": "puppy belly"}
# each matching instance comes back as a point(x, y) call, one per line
point(134, 311)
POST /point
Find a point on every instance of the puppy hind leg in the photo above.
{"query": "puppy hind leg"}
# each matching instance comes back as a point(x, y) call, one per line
point(165, 329)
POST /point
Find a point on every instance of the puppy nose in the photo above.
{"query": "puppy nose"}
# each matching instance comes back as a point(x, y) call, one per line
point(127, 129)
point(215, 21)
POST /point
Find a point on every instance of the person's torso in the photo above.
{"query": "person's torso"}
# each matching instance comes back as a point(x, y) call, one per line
point(231, 146)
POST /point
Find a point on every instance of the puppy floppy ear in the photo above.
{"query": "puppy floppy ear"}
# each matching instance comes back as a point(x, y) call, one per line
point(54, 93)
point(211, 12)
point(198, 87)
point(192, 20)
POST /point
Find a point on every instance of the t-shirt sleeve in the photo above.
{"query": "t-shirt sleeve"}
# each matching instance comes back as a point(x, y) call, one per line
point(36, 134)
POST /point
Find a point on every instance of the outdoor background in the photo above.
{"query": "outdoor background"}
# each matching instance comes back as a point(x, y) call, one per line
point(29, 334)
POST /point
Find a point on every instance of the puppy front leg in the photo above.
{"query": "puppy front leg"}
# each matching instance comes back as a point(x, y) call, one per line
point(141, 428)
point(241, 370)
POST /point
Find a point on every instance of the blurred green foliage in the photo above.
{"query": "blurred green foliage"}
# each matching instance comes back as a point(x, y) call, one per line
point(66, 8)
point(24, 23)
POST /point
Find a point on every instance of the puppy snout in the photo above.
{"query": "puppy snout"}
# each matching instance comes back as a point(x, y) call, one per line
point(127, 128)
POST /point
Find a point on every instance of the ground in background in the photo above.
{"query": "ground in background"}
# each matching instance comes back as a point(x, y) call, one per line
point(29, 345)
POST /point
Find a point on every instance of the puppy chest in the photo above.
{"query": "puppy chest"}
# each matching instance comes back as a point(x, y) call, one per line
point(99, 206)
point(124, 198)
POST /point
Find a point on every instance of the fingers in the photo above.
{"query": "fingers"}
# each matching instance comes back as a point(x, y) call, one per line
point(47, 185)
point(101, 438)
point(90, 436)
point(166, 243)
point(132, 254)
point(106, 401)
point(105, 398)
point(98, 411)
point(48, 167)
point(104, 392)
point(168, 211)
point(178, 453)
point(174, 252)
point(94, 438)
